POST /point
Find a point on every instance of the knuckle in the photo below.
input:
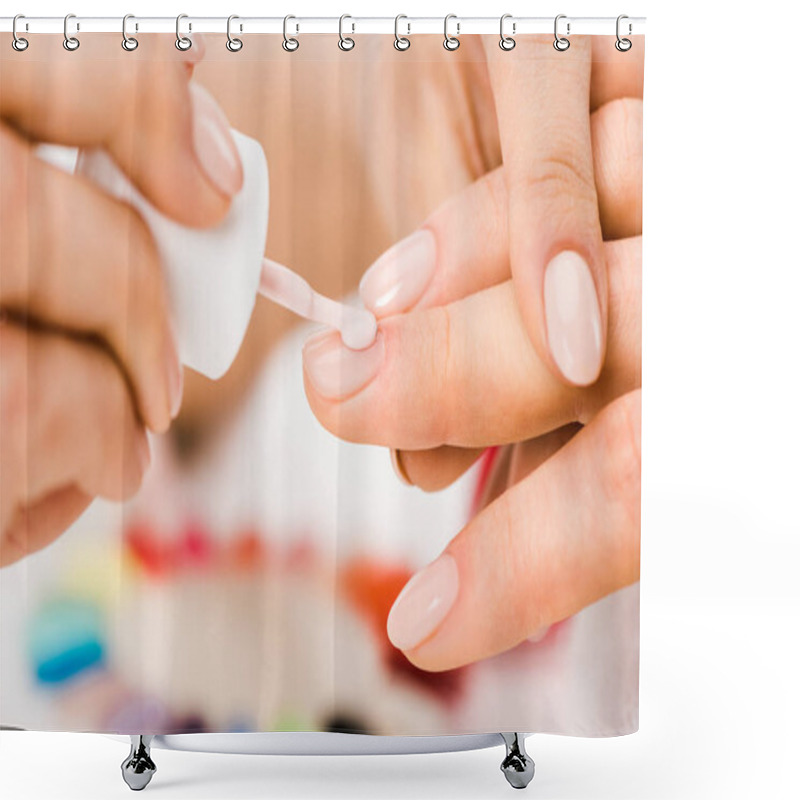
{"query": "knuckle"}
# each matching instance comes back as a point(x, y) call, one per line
point(558, 174)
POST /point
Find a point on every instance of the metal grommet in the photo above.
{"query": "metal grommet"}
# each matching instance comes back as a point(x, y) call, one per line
point(400, 42)
point(345, 42)
point(71, 43)
point(623, 45)
point(18, 43)
point(451, 42)
point(289, 44)
point(129, 43)
point(506, 42)
point(561, 43)
point(233, 44)
point(181, 42)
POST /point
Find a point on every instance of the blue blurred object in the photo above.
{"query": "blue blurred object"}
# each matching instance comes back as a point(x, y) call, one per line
point(66, 637)
point(241, 725)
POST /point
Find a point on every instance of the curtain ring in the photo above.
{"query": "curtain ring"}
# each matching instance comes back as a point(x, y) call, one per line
point(70, 42)
point(181, 42)
point(233, 44)
point(400, 42)
point(18, 43)
point(129, 43)
point(450, 42)
point(561, 43)
point(289, 44)
point(506, 42)
point(623, 45)
point(345, 42)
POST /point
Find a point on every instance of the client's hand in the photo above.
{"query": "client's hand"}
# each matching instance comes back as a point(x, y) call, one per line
point(460, 372)
point(87, 357)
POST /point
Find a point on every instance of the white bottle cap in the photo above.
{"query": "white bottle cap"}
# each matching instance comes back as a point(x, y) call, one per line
point(212, 274)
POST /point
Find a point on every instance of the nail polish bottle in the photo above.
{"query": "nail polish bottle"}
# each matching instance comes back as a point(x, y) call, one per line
point(212, 274)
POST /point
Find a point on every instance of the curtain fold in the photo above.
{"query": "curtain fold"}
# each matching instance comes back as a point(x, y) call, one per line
point(245, 584)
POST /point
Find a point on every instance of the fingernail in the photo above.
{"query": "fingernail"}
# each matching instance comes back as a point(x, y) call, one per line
point(424, 603)
point(539, 635)
point(213, 142)
point(174, 378)
point(336, 371)
point(397, 280)
point(572, 315)
point(397, 466)
point(176, 392)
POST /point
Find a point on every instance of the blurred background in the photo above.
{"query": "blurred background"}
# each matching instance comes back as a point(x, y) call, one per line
point(720, 608)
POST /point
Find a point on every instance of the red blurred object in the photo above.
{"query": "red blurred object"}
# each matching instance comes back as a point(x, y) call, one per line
point(372, 588)
point(487, 461)
point(154, 554)
point(300, 554)
point(196, 548)
point(247, 552)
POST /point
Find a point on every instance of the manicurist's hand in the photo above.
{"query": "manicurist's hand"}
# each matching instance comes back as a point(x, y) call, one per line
point(456, 367)
point(88, 361)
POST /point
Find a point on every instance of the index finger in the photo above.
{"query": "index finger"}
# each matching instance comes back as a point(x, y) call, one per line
point(555, 241)
point(165, 131)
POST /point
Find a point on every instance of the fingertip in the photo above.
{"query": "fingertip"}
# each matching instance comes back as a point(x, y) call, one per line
point(398, 279)
point(142, 459)
point(423, 604)
point(214, 147)
point(335, 371)
point(573, 318)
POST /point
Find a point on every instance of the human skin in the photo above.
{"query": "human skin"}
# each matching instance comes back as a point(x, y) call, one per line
point(456, 368)
point(436, 120)
point(88, 363)
point(390, 135)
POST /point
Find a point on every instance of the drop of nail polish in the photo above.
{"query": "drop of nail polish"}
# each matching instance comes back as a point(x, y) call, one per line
point(357, 326)
point(359, 331)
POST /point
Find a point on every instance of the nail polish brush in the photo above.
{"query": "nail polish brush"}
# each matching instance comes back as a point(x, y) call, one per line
point(357, 326)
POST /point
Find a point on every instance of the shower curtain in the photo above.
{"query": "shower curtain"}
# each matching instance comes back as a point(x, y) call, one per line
point(218, 516)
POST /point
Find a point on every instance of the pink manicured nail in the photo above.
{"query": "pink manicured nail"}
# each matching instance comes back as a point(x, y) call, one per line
point(397, 466)
point(397, 280)
point(336, 371)
point(175, 392)
point(424, 603)
point(539, 635)
point(174, 376)
point(213, 142)
point(572, 315)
